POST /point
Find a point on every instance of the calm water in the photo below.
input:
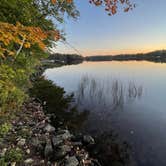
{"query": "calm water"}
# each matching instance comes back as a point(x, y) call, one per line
point(129, 97)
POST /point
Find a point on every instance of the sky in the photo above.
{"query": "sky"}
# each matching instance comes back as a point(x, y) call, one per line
point(95, 33)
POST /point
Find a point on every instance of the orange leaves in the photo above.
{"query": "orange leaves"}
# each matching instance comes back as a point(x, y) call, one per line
point(19, 35)
point(53, 1)
point(69, 1)
point(111, 6)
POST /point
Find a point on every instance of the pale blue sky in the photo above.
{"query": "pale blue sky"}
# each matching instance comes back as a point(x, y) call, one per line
point(96, 33)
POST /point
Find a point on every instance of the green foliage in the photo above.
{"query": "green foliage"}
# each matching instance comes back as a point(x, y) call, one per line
point(4, 129)
point(14, 155)
point(3, 162)
point(54, 95)
point(10, 93)
point(35, 12)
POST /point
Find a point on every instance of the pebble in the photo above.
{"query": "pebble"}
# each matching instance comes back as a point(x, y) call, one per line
point(28, 151)
point(28, 161)
point(21, 142)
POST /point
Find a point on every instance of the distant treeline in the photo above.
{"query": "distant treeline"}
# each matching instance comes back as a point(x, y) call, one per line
point(155, 56)
point(66, 58)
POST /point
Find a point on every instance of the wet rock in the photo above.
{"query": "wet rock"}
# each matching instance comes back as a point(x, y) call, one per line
point(71, 161)
point(21, 142)
point(28, 161)
point(48, 128)
point(48, 151)
point(88, 139)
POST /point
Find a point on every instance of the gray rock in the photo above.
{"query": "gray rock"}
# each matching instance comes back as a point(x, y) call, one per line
point(38, 145)
point(62, 151)
point(13, 164)
point(57, 140)
point(64, 135)
point(35, 141)
point(21, 142)
point(28, 151)
point(49, 128)
point(65, 148)
point(88, 139)
point(48, 151)
point(2, 153)
point(29, 161)
point(77, 143)
point(71, 161)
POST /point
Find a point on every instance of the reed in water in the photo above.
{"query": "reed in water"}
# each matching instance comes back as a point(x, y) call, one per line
point(106, 94)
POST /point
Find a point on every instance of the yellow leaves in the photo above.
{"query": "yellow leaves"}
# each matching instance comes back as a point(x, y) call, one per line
point(15, 35)
point(27, 45)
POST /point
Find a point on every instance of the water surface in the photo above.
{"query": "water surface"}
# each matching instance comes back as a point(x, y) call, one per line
point(140, 119)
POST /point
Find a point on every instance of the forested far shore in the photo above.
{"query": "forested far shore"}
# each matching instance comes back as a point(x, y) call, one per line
point(155, 56)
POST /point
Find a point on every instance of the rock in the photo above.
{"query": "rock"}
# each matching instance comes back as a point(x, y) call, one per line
point(57, 141)
point(28, 151)
point(77, 143)
point(88, 139)
point(64, 135)
point(48, 151)
point(62, 151)
point(49, 128)
point(41, 162)
point(38, 144)
point(13, 163)
point(21, 142)
point(28, 161)
point(32, 123)
point(84, 156)
point(71, 161)
point(65, 148)
point(2, 153)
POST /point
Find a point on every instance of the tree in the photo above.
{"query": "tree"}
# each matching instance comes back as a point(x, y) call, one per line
point(26, 31)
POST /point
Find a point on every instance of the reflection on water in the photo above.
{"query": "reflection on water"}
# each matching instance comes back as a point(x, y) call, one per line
point(137, 88)
point(106, 94)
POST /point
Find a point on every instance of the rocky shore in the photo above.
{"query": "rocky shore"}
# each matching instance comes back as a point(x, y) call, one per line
point(32, 140)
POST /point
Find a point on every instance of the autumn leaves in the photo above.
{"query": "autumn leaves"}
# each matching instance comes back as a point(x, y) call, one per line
point(111, 6)
point(12, 36)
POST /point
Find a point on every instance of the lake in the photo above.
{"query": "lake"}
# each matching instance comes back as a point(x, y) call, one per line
point(128, 97)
